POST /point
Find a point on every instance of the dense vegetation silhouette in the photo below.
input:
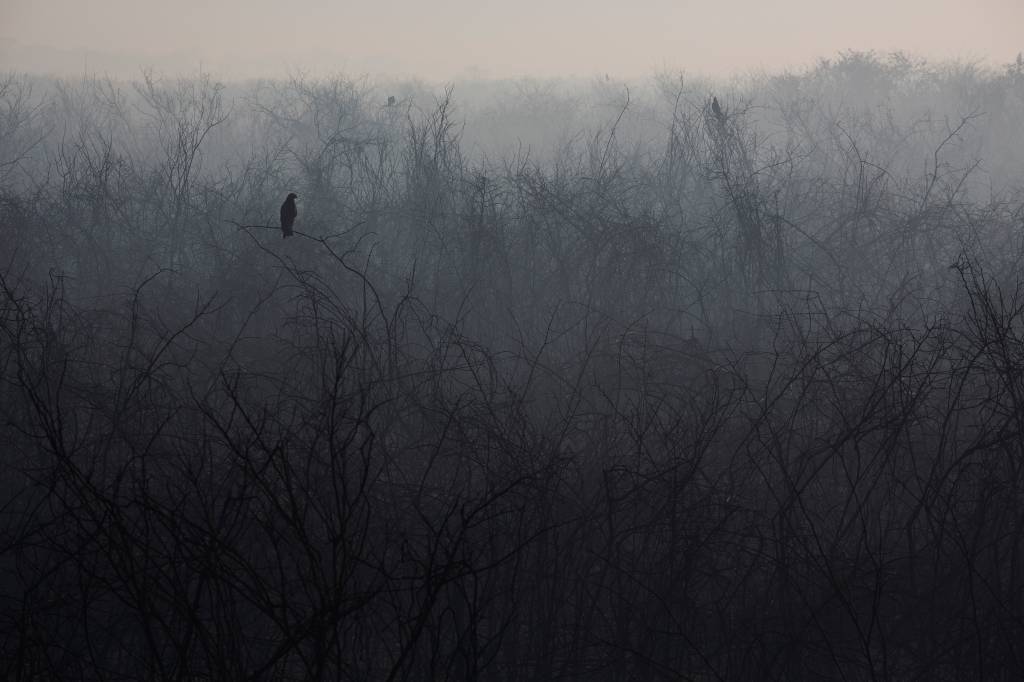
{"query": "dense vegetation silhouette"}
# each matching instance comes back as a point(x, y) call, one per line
point(562, 380)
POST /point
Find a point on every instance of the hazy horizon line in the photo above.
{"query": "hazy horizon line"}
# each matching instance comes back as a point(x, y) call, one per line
point(47, 60)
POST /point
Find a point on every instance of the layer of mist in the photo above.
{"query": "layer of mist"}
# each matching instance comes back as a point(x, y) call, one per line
point(563, 379)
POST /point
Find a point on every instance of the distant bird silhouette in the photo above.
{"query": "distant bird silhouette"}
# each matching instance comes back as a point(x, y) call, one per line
point(391, 101)
point(288, 214)
point(717, 110)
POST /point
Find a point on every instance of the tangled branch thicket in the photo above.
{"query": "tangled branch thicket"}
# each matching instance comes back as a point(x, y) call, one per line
point(671, 395)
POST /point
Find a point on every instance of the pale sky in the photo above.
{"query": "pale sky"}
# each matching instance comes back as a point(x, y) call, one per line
point(445, 39)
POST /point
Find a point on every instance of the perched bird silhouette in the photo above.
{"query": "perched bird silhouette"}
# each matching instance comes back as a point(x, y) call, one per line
point(717, 110)
point(391, 101)
point(288, 214)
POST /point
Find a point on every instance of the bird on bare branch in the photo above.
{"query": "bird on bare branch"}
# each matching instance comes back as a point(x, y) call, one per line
point(717, 110)
point(288, 214)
